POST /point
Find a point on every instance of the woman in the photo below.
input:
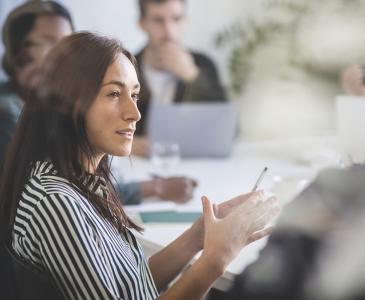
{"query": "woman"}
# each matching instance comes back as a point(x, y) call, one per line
point(65, 218)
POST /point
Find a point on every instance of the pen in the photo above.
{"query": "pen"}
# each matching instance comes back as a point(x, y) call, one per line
point(259, 179)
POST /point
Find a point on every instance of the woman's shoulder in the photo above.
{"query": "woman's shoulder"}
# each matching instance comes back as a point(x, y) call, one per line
point(44, 193)
point(43, 189)
point(44, 182)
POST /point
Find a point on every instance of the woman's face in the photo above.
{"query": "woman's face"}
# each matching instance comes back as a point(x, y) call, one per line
point(111, 119)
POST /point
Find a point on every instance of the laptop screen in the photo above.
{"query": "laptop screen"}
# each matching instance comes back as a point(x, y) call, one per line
point(200, 129)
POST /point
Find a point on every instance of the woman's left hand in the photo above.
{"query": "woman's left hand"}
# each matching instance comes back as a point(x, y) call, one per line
point(224, 209)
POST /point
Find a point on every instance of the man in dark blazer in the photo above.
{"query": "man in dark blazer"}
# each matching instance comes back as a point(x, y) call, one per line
point(168, 72)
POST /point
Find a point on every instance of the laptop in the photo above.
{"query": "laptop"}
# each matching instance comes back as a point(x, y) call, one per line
point(350, 112)
point(200, 129)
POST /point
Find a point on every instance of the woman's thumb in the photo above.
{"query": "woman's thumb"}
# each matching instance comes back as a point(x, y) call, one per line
point(208, 212)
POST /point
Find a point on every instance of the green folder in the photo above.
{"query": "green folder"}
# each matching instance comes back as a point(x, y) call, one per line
point(169, 217)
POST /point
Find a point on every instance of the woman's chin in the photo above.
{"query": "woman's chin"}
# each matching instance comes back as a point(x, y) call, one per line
point(125, 151)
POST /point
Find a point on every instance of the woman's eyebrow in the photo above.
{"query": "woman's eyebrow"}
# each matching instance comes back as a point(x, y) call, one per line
point(116, 82)
point(120, 83)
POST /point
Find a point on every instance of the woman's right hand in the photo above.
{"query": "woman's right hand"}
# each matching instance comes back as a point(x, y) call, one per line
point(224, 238)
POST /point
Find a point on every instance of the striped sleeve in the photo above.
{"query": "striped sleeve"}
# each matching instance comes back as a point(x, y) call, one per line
point(71, 249)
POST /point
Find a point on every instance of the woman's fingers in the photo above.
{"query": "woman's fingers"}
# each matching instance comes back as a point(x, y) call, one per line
point(256, 206)
point(265, 214)
point(266, 218)
point(250, 200)
point(216, 210)
point(259, 234)
point(225, 237)
point(246, 198)
point(208, 211)
point(255, 216)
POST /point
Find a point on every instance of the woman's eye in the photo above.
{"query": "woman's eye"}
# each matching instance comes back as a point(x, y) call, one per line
point(114, 94)
point(135, 97)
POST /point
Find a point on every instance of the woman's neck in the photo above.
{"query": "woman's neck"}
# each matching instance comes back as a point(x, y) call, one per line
point(90, 166)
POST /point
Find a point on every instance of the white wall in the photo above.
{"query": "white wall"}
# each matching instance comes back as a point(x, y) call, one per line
point(119, 19)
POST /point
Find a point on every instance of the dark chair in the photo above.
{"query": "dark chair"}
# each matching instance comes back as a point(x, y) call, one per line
point(29, 283)
point(7, 281)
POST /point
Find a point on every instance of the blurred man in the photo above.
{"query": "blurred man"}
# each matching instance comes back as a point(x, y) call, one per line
point(169, 72)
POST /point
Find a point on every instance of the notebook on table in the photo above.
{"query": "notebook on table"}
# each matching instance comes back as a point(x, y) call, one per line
point(169, 217)
point(200, 129)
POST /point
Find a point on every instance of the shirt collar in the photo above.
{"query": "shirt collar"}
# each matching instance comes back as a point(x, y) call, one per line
point(96, 184)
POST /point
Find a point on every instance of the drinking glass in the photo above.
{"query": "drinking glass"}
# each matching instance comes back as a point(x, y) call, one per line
point(165, 157)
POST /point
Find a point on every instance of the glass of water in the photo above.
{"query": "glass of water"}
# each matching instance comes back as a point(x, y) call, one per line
point(165, 158)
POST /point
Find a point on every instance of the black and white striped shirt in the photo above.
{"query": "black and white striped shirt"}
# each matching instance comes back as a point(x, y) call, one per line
point(57, 230)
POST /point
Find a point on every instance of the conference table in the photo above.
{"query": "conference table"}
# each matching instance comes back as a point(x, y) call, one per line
point(292, 164)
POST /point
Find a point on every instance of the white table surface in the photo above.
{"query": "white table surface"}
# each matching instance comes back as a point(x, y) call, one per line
point(291, 163)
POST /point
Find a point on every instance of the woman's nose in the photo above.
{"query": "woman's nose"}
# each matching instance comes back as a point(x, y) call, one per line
point(130, 111)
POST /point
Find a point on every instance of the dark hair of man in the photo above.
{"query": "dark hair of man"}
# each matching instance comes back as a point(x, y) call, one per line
point(52, 126)
point(144, 3)
point(18, 25)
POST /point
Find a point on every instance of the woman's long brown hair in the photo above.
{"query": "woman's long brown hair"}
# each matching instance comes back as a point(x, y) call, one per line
point(52, 125)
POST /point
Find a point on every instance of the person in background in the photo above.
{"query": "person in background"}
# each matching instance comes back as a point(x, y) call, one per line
point(66, 219)
point(168, 72)
point(29, 32)
point(353, 80)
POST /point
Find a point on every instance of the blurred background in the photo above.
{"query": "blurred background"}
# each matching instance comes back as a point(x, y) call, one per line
point(119, 18)
point(280, 59)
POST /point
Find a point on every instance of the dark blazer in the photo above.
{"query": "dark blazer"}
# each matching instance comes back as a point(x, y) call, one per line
point(206, 87)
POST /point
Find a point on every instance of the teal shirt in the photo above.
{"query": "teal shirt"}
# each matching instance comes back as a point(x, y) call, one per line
point(10, 109)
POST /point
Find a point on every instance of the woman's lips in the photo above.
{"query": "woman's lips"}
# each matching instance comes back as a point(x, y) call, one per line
point(128, 133)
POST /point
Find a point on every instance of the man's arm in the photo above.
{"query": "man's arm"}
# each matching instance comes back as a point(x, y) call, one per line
point(207, 85)
point(197, 74)
point(130, 193)
point(177, 189)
